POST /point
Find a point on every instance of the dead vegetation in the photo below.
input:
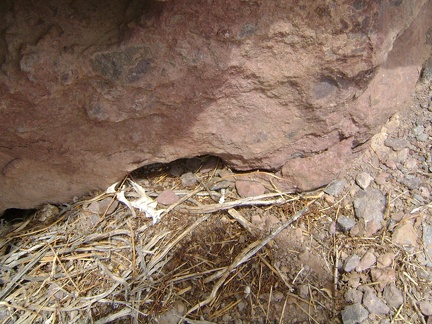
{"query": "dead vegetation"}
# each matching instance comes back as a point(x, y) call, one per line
point(205, 259)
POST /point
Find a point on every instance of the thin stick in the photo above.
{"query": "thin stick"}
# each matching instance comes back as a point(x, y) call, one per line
point(250, 201)
point(283, 310)
point(268, 303)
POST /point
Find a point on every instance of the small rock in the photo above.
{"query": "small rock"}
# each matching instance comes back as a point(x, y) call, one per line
point(383, 277)
point(410, 163)
point(304, 291)
point(167, 197)
point(427, 242)
point(49, 212)
point(396, 157)
point(351, 263)
point(353, 296)
point(363, 180)
point(411, 182)
point(405, 235)
point(249, 188)
point(277, 296)
point(372, 227)
point(172, 315)
point(241, 306)
point(189, 179)
point(366, 261)
point(226, 318)
point(346, 223)
point(418, 130)
point(420, 257)
point(370, 205)
point(329, 199)
point(424, 192)
point(396, 144)
point(382, 178)
point(422, 137)
point(353, 279)
point(373, 304)
point(335, 187)
point(397, 217)
point(393, 296)
point(354, 314)
point(385, 260)
point(426, 308)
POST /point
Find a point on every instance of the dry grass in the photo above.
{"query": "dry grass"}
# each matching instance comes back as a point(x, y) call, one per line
point(204, 260)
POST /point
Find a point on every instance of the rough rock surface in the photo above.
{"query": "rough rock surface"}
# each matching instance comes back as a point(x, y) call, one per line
point(93, 90)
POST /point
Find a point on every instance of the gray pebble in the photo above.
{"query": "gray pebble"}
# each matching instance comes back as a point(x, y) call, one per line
point(346, 223)
point(411, 182)
point(426, 308)
point(368, 260)
point(363, 180)
point(351, 262)
point(396, 144)
point(393, 296)
point(353, 296)
point(422, 137)
point(189, 179)
point(370, 206)
point(335, 187)
point(418, 130)
point(354, 314)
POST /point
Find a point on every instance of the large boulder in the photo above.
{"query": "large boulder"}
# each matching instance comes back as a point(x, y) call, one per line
point(90, 90)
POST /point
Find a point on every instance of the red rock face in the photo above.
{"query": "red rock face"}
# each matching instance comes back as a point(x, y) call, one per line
point(91, 90)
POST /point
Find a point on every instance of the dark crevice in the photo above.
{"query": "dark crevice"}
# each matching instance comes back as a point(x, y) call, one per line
point(14, 215)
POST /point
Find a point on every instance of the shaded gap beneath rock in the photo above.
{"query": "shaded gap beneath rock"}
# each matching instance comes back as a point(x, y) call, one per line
point(178, 167)
point(14, 215)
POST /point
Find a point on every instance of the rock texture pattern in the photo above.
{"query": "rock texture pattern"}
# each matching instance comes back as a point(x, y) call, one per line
point(92, 90)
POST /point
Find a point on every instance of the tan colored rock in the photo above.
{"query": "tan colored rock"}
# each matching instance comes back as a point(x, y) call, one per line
point(93, 90)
